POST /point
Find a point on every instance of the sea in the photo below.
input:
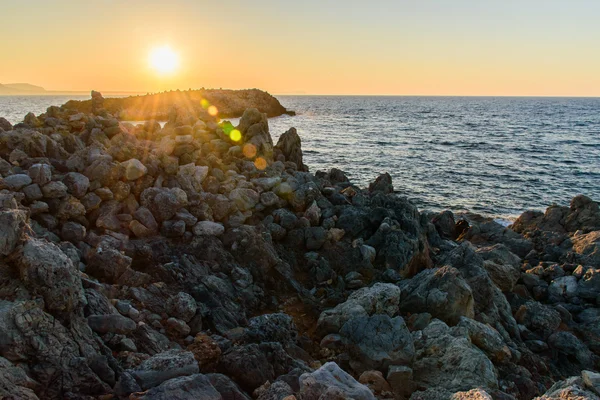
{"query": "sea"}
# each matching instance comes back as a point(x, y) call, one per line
point(495, 156)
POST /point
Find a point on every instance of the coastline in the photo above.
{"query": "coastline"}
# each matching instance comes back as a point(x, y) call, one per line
point(161, 256)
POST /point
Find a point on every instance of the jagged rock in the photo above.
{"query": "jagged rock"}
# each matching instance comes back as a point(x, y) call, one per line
point(487, 339)
point(46, 270)
point(107, 263)
point(289, 145)
point(450, 362)
point(538, 317)
point(383, 184)
point(77, 184)
point(54, 190)
point(377, 342)
point(441, 292)
point(73, 232)
point(330, 379)
point(381, 298)
point(248, 366)
point(5, 125)
point(503, 266)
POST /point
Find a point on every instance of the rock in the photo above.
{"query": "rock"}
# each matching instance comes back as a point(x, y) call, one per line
point(538, 317)
point(442, 292)
point(164, 366)
point(445, 225)
point(191, 387)
point(111, 323)
point(315, 237)
point(381, 298)
point(13, 224)
point(172, 229)
point(46, 270)
point(316, 385)
point(145, 217)
point(177, 328)
point(5, 125)
point(182, 306)
point(473, 394)
point(289, 145)
point(383, 184)
point(572, 388)
point(33, 192)
point(191, 177)
point(77, 184)
point(450, 362)
point(269, 199)
point(592, 381)
point(400, 378)
point(313, 214)
point(107, 263)
point(73, 232)
point(163, 203)
point(487, 339)
point(15, 182)
point(375, 381)
point(40, 173)
point(97, 102)
point(378, 341)
point(226, 387)
point(276, 327)
point(503, 266)
point(54, 190)
point(248, 366)
point(244, 199)
point(206, 351)
point(208, 228)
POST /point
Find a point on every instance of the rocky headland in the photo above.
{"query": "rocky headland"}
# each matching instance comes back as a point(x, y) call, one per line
point(197, 103)
point(199, 261)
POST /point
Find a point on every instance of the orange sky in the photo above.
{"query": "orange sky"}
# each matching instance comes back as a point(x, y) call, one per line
point(433, 47)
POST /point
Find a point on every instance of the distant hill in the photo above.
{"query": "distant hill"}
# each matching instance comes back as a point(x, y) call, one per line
point(21, 88)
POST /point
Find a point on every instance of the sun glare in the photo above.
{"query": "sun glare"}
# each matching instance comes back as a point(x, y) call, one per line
point(164, 60)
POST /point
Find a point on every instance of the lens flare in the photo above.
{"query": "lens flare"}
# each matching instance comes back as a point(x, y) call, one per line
point(164, 60)
point(235, 135)
point(204, 103)
point(212, 110)
point(249, 150)
point(260, 163)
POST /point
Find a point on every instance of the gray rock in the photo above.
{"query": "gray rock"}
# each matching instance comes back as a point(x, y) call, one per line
point(54, 190)
point(77, 184)
point(40, 173)
point(133, 169)
point(377, 342)
point(442, 292)
point(290, 146)
point(15, 182)
point(111, 323)
point(487, 339)
point(539, 318)
point(45, 269)
point(208, 228)
point(193, 387)
point(383, 184)
point(450, 362)
point(33, 192)
point(164, 366)
point(182, 306)
point(318, 384)
point(244, 199)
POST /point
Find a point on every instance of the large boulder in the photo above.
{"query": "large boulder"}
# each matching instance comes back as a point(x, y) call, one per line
point(377, 342)
point(331, 382)
point(381, 298)
point(46, 270)
point(445, 359)
point(442, 292)
point(193, 387)
point(164, 366)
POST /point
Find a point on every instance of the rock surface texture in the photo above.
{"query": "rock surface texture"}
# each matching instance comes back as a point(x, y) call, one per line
point(199, 261)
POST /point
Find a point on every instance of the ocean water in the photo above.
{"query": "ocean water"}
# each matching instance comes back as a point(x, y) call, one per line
point(493, 156)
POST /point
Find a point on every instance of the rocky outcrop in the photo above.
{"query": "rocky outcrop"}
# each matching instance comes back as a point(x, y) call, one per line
point(228, 103)
point(197, 260)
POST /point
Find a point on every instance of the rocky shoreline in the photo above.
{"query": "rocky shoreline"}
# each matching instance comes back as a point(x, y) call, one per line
point(198, 103)
point(203, 261)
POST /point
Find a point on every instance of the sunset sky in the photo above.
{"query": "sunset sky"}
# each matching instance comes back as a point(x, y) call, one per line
point(411, 47)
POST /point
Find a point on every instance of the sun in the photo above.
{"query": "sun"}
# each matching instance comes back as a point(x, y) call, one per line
point(164, 60)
